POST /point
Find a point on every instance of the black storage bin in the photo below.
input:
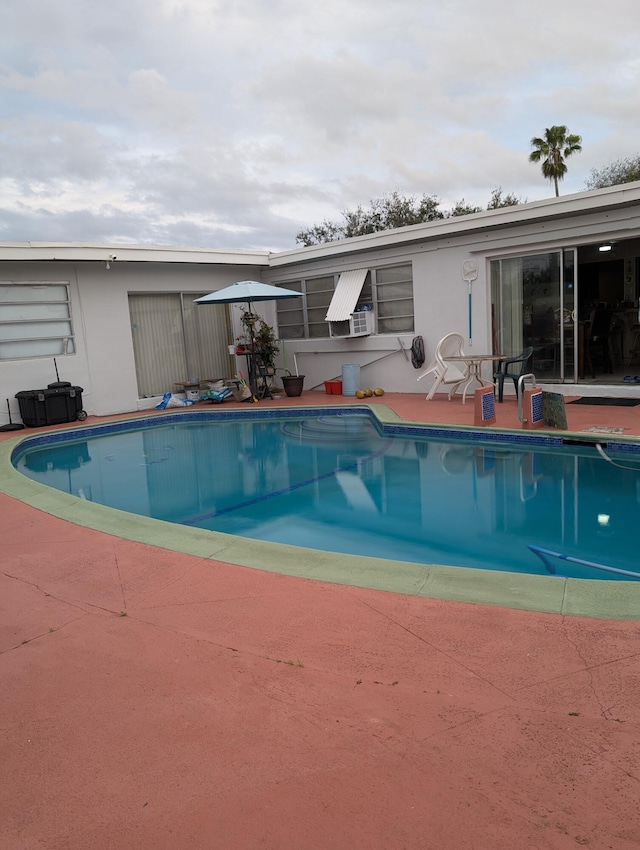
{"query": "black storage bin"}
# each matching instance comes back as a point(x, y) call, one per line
point(60, 402)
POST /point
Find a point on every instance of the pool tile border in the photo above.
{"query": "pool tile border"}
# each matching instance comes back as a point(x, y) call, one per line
point(388, 425)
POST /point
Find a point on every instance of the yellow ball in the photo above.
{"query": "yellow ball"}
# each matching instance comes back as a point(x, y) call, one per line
point(368, 393)
point(360, 394)
point(378, 391)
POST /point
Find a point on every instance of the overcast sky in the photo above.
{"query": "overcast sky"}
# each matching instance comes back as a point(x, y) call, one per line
point(236, 123)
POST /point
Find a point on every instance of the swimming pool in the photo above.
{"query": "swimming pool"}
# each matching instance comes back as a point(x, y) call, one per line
point(342, 481)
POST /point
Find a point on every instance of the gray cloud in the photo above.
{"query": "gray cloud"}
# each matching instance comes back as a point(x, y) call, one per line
point(233, 123)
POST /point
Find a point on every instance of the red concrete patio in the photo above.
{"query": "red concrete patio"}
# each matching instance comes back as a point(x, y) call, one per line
point(154, 699)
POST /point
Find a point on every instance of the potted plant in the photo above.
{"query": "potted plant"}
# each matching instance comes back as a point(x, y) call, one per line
point(259, 338)
point(292, 384)
point(266, 345)
point(248, 320)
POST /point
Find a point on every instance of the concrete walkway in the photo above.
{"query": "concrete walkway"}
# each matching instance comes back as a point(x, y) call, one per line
point(155, 699)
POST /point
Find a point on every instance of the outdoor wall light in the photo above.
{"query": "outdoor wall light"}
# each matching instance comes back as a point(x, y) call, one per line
point(606, 247)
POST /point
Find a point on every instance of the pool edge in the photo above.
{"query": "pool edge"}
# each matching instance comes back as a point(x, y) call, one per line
point(600, 599)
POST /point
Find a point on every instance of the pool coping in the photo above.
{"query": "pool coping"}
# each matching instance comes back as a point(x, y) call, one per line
point(603, 599)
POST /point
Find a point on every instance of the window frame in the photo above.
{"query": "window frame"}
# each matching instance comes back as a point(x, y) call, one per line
point(56, 345)
point(194, 339)
point(371, 293)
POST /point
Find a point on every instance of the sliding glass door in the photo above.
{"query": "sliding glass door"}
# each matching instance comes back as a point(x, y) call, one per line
point(176, 340)
point(533, 304)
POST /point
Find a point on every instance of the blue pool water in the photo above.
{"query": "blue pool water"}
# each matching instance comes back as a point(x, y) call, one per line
point(342, 483)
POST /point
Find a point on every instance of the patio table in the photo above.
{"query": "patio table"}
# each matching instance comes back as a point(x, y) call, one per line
point(475, 362)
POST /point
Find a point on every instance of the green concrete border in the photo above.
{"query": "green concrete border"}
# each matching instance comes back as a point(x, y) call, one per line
point(601, 599)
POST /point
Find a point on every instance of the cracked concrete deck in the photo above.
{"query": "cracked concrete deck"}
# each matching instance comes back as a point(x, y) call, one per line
point(157, 699)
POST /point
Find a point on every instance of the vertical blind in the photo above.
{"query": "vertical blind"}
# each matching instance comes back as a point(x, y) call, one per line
point(507, 295)
point(176, 340)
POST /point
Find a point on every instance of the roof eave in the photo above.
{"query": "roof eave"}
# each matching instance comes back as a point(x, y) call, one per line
point(96, 252)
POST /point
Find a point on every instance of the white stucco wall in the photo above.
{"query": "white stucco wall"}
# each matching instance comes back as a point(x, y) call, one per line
point(439, 290)
point(104, 363)
point(440, 306)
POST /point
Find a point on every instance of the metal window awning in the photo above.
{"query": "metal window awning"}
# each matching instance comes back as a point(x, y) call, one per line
point(346, 295)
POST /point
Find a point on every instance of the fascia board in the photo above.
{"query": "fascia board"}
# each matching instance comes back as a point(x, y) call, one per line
point(83, 252)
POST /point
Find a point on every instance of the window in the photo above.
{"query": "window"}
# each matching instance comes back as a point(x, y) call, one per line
point(291, 313)
point(176, 340)
point(35, 320)
point(389, 292)
point(319, 293)
point(393, 289)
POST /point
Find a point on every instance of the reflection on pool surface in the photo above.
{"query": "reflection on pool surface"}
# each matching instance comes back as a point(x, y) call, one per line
point(340, 483)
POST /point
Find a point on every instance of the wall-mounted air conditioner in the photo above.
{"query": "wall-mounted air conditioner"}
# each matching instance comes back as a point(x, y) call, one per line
point(358, 324)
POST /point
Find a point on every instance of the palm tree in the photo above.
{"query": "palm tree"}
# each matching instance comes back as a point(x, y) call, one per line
point(556, 145)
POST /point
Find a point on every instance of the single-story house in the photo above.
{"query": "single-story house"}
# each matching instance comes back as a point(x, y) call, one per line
point(121, 321)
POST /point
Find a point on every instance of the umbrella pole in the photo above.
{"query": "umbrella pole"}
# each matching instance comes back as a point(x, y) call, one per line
point(251, 363)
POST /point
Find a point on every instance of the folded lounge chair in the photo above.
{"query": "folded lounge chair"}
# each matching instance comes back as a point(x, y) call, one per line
point(450, 374)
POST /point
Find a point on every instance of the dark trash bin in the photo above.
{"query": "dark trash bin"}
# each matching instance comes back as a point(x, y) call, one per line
point(60, 402)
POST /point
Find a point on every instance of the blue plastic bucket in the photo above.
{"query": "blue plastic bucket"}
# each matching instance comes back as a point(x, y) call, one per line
point(350, 379)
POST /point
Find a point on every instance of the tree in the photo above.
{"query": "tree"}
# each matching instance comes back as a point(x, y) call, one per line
point(497, 201)
point(385, 213)
point(463, 208)
point(394, 210)
point(556, 146)
point(328, 231)
point(619, 171)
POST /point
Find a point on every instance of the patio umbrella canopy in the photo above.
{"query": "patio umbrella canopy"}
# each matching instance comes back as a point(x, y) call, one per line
point(248, 292)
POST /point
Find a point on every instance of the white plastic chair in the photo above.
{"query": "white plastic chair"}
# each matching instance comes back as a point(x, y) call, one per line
point(452, 374)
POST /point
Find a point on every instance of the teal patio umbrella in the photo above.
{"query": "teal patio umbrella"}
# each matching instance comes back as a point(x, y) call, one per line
point(248, 292)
